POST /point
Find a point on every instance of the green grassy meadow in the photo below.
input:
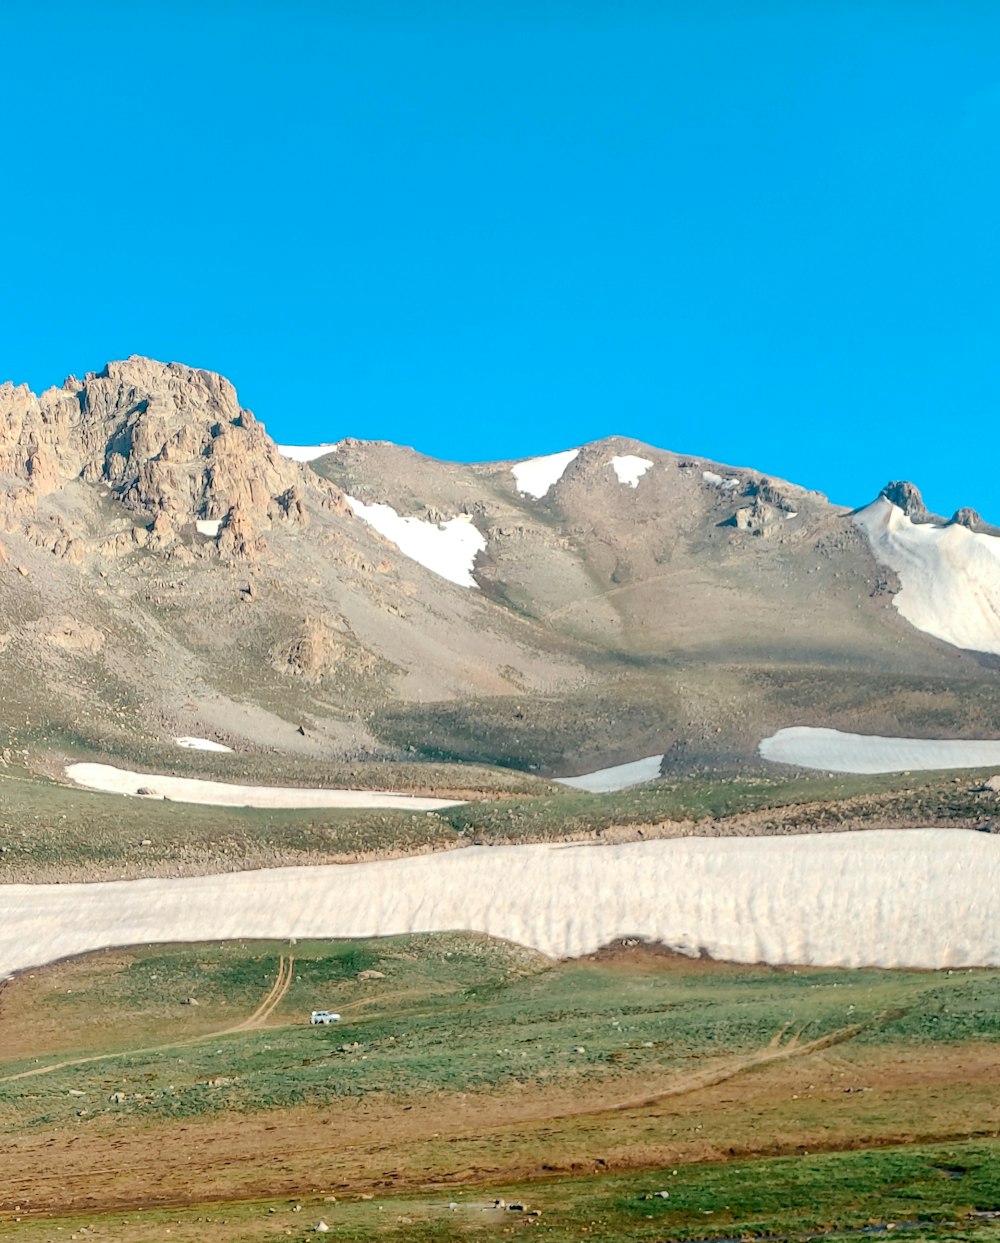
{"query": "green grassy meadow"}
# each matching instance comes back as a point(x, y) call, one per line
point(465, 1060)
point(448, 1013)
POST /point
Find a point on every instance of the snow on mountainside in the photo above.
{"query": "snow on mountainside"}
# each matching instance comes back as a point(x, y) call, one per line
point(629, 469)
point(535, 476)
point(448, 548)
point(306, 453)
point(949, 575)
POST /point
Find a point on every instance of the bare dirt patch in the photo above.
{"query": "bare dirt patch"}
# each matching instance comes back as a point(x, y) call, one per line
point(824, 1101)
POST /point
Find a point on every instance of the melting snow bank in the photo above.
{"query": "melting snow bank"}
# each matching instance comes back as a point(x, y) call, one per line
point(538, 474)
point(729, 484)
point(110, 780)
point(906, 898)
point(201, 744)
point(835, 752)
point(621, 777)
point(448, 548)
point(949, 575)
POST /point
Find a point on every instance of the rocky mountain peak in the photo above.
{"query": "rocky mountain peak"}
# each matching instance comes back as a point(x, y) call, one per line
point(163, 438)
point(906, 496)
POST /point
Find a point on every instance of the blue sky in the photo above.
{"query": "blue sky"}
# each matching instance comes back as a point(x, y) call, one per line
point(761, 232)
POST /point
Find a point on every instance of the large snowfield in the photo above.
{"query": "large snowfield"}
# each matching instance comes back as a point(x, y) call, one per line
point(110, 780)
point(904, 898)
point(837, 752)
point(949, 576)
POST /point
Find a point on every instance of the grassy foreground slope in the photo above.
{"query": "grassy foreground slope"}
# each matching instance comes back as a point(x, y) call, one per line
point(466, 1069)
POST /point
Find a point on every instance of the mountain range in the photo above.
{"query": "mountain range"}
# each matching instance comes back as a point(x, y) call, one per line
point(167, 570)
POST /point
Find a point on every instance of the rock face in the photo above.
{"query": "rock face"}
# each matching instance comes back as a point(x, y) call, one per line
point(311, 651)
point(170, 442)
point(766, 512)
point(972, 521)
point(906, 496)
point(967, 518)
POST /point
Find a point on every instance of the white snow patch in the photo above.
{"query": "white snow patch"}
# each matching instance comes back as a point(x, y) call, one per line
point(837, 752)
point(826, 899)
point(111, 780)
point(630, 469)
point(620, 777)
point(201, 744)
point(727, 484)
point(208, 526)
point(538, 474)
point(307, 453)
point(448, 548)
point(949, 576)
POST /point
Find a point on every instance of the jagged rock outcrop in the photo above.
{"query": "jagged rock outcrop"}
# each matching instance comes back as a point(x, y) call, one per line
point(767, 509)
point(170, 442)
point(769, 494)
point(758, 518)
point(906, 496)
point(966, 517)
point(240, 535)
point(311, 652)
point(972, 521)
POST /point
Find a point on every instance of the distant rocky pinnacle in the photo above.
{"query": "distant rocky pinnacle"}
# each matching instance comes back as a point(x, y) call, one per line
point(170, 442)
point(906, 496)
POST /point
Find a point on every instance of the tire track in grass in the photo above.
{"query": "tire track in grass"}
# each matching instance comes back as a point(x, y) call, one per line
point(774, 1051)
point(272, 999)
point(270, 1003)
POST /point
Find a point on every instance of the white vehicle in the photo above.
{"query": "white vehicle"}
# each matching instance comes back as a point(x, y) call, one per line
point(324, 1016)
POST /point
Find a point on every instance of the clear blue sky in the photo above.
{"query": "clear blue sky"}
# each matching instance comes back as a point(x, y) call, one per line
point(763, 232)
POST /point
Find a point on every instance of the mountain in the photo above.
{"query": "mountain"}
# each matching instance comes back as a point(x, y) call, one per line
point(167, 570)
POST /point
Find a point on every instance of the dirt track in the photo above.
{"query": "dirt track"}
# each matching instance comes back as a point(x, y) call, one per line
point(259, 1017)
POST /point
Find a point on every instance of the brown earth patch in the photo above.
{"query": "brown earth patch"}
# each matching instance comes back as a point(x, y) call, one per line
point(830, 1098)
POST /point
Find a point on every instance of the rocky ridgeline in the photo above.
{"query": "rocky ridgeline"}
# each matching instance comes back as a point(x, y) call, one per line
point(906, 496)
point(169, 442)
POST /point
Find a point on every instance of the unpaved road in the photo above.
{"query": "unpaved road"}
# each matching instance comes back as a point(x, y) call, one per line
point(270, 1003)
